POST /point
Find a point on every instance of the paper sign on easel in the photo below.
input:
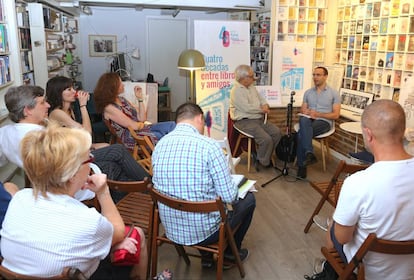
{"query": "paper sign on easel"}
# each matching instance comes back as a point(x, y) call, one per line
point(272, 95)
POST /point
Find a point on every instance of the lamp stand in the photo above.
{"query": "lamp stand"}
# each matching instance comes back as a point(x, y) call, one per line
point(192, 91)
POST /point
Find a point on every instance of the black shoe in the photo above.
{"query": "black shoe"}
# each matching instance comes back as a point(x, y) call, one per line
point(207, 263)
point(301, 172)
point(310, 159)
point(244, 253)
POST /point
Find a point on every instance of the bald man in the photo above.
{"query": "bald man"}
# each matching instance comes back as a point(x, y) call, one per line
point(379, 199)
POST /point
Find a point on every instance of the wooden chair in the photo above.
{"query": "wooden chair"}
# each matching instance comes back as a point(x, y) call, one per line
point(143, 150)
point(225, 236)
point(67, 273)
point(330, 190)
point(371, 244)
point(233, 161)
point(114, 138)
point(136, 207)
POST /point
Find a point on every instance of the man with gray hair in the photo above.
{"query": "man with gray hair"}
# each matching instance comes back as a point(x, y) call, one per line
point(248, 109)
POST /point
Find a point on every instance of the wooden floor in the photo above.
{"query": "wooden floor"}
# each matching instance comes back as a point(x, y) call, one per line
point(279, 249)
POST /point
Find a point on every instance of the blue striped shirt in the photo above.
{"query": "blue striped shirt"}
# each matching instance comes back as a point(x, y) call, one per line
point(191, 166)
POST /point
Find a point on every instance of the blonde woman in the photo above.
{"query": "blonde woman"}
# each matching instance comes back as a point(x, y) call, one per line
point(45, 228)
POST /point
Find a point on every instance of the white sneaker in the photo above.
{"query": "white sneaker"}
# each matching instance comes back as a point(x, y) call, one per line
point(321, 222)
point(318, 265)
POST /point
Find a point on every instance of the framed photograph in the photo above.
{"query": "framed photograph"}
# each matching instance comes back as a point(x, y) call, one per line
point(355, 101)
point(102, 45)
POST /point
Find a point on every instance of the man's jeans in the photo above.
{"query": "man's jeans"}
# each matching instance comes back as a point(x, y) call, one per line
point(242, 214)
point(308, 129)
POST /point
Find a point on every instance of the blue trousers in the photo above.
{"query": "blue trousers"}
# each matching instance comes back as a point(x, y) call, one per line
point(308, 128)
point(242, 214)
point(162, 128)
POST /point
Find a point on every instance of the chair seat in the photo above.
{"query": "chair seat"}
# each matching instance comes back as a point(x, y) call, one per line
point(243, 132)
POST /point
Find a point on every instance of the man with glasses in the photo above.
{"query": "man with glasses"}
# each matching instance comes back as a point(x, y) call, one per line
point(248, 109)
point(321, 106)
point(29, 110)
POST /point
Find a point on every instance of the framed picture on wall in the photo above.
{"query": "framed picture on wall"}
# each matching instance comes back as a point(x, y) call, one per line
point(102, 45)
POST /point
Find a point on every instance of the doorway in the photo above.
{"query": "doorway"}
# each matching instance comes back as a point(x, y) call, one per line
point(167, 38)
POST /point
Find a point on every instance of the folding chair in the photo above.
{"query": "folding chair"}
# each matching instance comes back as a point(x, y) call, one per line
point(330, 190)
point(225, 235)
point(371, 244)
point(143, 149)
point(136, 207)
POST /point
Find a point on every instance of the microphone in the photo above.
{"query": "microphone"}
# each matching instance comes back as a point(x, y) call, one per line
point(292, 92)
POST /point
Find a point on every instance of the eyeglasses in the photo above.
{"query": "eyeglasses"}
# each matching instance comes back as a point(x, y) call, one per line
point(89, 160)
point(318, 75)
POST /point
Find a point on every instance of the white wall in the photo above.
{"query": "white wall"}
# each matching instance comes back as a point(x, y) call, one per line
point(130, 24)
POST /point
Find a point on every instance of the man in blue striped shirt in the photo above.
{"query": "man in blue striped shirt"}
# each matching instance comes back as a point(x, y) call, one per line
point(190, 166)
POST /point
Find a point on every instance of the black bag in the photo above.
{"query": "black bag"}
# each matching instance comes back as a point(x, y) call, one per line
point(328, 273)
point(286, 149)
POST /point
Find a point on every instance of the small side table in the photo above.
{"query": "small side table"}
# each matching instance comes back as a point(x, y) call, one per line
point(353, 127)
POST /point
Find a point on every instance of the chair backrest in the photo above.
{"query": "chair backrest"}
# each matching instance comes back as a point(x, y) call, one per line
point(129, 186)
point(225, 146)
point(374, 244)
point(67, 273)
point(343, 170)
point(144, 146)
point(189, 206)
point(114, 137)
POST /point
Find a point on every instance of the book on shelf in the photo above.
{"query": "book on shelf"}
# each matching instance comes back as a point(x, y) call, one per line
point(312, 14)
point(344, 42)
point(347, 13)
point(292, 13)
point(411, 24)
point(365, 43)
point(391, 43)
point(371, 59)
point(376, 9)
point(403, 24)
point(364, 58)
point(302, 3)
point(368, 10)
point(375, 26)
point(320, 28)
point(359, 27)
point(397, 78)
point(389, 60)
point(1, 11)
point(302, 14)
point(387, 77)
point(358, 42)
point(344, 56)
point(319, 55)
point(363, 73)
point(380, 59)
point(301, 27)
point(5, 76)
point(4, 43)
point(312, 28)
point(291, 27)
point(283, 13)
point(382, 43)
point(405, 6)
point(357, 57)
point(378, 75)
point(348, 73)
point(385, 9)
point(410, 46)
point(373, 43)
point(402, 39)
point(352, 27)
point(361, 86)
point(392, 25)
point(337, 56)
point(346, 28)
point(399, 60)
point(339, 28)
point(383, 26)
point(371, 72)
point(320, 42)
point(409, 62)
point(367, 26)
point(28, 78)
point(340, 14)
point(351, 44)
point(354, 12)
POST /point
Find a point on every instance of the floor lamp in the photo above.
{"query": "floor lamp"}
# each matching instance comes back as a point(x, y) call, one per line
point(191, 60)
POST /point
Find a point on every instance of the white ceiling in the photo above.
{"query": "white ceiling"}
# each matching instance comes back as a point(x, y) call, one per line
point(208, 5)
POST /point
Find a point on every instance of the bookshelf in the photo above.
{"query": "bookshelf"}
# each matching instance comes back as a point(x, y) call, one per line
point(303, 21)
point(259, 46)
point(5, 70)
point(25, 43)
point(375, 43)
point(47, 42)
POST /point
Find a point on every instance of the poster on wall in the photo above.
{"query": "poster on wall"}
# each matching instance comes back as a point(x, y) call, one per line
point(225, 45)
point(406, 99)
point(292, 69)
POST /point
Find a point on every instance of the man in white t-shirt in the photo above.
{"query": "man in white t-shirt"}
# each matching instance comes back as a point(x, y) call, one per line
point(379, 199)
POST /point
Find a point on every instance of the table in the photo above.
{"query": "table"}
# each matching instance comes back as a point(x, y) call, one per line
point(353, 127)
